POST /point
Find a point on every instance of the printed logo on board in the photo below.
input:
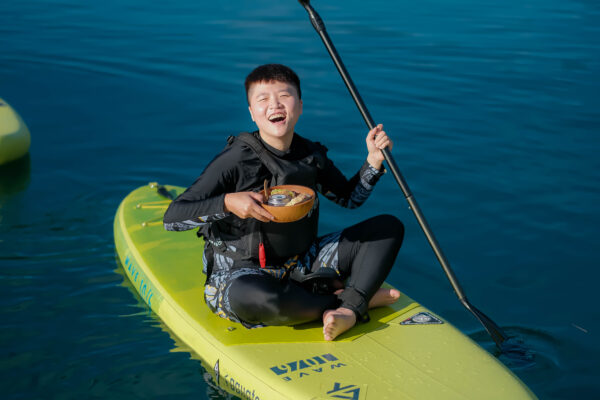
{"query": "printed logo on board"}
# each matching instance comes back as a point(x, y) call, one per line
point(308, 366)
point(342, 391)
point(422, 318)
point(238, 388)
point(216, 369)
point(142, 284)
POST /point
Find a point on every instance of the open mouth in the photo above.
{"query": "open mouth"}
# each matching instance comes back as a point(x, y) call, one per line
point(277, 118)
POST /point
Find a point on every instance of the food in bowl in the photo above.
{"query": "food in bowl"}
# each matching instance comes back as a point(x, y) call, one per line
point(286, 198)
point(288, 203)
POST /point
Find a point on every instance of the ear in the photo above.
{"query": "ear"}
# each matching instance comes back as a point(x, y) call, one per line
point(301, 106)
point(251, 115)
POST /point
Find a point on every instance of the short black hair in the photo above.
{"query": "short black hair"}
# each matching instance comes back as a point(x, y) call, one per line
point(273, 72)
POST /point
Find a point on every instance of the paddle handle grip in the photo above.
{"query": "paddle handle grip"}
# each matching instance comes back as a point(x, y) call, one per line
point(315, 18)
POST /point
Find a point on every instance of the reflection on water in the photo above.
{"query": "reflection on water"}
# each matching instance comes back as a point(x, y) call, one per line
point(521, 350)
point(215, 389)
point(541, 357)
point(15, 176)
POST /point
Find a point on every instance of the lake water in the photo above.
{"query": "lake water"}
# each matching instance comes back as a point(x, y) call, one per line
point(493, 107)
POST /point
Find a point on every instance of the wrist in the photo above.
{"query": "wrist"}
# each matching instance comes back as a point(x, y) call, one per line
point(226, 198)
point(374, 162)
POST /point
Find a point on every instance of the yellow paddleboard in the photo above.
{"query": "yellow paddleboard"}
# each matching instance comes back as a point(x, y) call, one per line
point(405, 351)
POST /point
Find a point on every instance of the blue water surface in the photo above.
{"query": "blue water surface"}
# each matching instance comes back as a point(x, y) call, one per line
point(493, 107)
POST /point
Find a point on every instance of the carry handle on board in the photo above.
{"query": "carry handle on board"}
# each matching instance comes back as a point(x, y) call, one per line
point(494, 330)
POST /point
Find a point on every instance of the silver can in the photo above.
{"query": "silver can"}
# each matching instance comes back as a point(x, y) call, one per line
point(278, 200)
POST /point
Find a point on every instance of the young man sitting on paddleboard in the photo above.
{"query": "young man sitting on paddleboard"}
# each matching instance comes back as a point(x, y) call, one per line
point(225, 204)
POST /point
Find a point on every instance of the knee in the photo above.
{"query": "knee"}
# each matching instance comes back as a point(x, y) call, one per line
point(381, 227)
point(391, 225)
point(253, 299)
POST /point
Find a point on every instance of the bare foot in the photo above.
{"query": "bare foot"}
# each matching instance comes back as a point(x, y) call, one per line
point(338, 321)
point(384, 297)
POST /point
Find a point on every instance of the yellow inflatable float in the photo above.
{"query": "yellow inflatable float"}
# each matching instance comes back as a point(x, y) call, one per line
point(14, 135)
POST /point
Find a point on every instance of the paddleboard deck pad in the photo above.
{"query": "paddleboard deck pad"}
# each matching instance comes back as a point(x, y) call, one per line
point(404, 352)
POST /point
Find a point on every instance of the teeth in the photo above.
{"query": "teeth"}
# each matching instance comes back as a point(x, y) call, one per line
point(276, 116)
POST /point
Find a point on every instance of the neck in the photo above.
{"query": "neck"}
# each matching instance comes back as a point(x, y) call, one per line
point(281, 144)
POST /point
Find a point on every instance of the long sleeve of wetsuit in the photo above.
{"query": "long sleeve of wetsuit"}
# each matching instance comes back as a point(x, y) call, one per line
point(349, 193)
point(203, 202)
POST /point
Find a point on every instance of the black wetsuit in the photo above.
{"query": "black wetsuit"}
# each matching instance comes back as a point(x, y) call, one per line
point(237, 288)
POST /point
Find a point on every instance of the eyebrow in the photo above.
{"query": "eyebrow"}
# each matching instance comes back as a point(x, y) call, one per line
point(266, 93)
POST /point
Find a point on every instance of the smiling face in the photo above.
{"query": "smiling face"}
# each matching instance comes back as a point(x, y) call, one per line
point(275, 108)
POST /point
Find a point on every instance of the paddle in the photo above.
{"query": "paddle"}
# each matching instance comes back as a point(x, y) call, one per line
point(494, 330)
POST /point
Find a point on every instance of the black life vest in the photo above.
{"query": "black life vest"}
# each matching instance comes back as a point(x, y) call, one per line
point(281, 240)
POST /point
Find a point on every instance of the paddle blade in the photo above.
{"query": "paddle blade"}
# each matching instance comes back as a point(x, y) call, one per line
point(498, 336)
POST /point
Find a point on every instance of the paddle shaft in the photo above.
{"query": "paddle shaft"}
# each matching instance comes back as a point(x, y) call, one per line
point(494, 330)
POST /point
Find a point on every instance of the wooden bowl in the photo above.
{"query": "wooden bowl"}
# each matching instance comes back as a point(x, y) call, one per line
point(291, 213)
